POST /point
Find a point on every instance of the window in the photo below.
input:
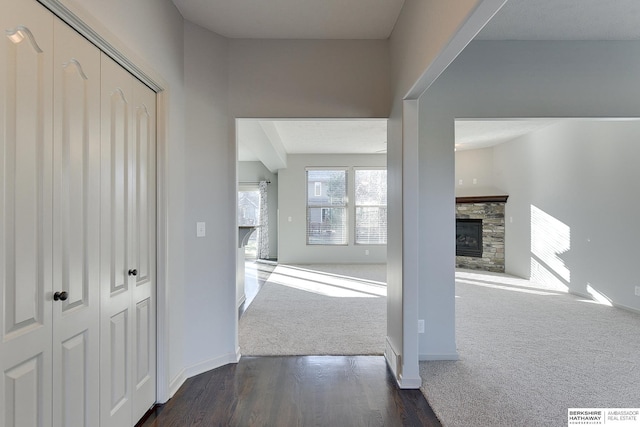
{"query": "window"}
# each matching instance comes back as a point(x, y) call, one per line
point(371, 206)
point(249, 214)
point(327, 207)
point(248, 207)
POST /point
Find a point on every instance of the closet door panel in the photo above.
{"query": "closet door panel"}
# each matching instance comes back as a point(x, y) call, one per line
point(23, 389)
point(74, 393)
point(26, 168)
point(143, 150)
point(25, 145)
point(118, 371)
point(144, 253)
point(25, 214)
point(119, 141)
point(116, 328)
point(76, 225)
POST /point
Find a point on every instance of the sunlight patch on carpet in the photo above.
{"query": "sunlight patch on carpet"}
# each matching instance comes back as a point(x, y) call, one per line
point(327, 284)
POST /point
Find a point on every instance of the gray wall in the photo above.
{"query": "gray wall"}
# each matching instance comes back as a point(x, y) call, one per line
point(573, 194)
point(255, 172)
point(210, 196)
point(513, 79)
point(309, 78)
point(475, 165)
point(292, 193)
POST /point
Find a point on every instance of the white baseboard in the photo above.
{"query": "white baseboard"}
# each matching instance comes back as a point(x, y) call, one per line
point(176, 383)
point(443, 356)
point(241, 301)
point(615, 304)
point(393, 359)
point(624, 307)
point(579, 294)
point(409, 383)
point(199, 368)
point(394, 362)
point(210, 364)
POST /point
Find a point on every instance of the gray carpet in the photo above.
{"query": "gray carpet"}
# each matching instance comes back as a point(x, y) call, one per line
point(317, 310)
point(527, 355)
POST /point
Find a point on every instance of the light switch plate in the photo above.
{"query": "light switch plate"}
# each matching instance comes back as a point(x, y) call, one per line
point(200, 229)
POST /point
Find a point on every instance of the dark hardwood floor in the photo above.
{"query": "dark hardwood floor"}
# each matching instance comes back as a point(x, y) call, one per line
point(305, 391)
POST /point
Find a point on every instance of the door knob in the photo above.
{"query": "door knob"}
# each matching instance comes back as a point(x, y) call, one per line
point(133, 272)
point(60, 296)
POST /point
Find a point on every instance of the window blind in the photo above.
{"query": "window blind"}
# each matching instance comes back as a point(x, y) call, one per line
point(371, 206)
point(327, 207)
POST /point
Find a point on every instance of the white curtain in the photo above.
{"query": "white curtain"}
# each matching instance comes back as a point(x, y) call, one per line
point(263, 231)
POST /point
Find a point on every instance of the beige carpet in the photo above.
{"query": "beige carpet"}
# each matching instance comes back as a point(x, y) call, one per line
point(528, 354)
point(317, 310)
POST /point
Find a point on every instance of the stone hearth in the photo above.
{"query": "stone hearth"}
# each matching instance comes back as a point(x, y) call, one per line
point(489, 209)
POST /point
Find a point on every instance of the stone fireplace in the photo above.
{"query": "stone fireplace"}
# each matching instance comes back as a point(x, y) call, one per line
point(480, 233)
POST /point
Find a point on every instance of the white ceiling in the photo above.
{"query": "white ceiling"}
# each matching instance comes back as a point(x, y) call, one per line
point(294, 19)
point(333, 136)
point(269, 141)
point(565, 20)
point(474, 134)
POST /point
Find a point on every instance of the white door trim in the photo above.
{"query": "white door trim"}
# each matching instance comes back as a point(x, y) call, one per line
point(99, 35)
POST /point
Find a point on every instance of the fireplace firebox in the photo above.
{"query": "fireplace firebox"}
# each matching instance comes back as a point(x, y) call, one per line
point(469, 237)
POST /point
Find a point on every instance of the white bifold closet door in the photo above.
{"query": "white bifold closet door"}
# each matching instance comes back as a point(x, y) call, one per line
point(127, 373)
point(77, 229)
point(26, 55)
point(50, 221)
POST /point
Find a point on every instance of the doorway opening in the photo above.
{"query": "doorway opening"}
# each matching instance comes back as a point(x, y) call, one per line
point(322, 287)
